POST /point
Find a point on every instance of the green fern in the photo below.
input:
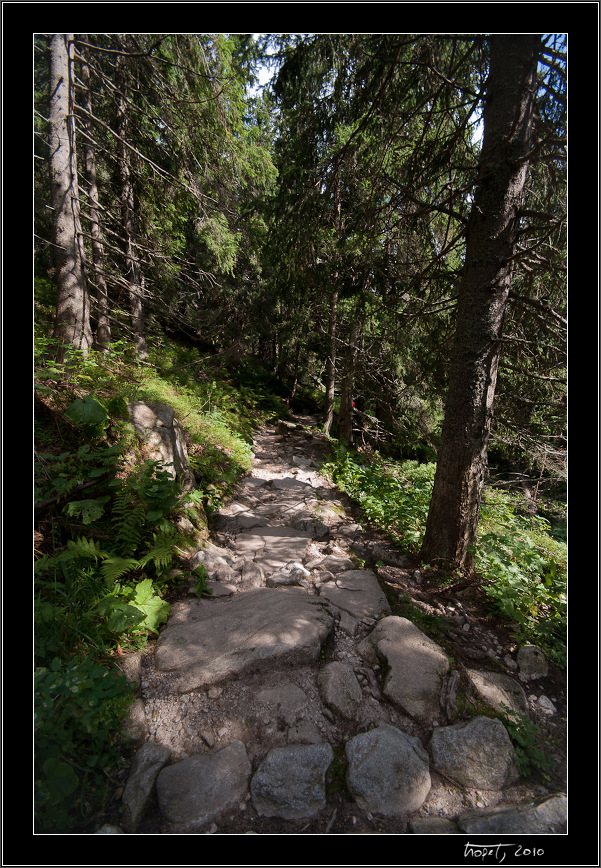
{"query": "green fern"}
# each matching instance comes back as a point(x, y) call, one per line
point(164, 550)
point(114, 567)
point(87, 549)
point(128, 522)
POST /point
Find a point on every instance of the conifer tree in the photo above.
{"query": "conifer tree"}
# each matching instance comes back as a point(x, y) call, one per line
point(72, 326)
point(486, 281)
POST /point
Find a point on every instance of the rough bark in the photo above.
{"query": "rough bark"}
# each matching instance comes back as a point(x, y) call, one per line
point(72, 326)
point(508, 118)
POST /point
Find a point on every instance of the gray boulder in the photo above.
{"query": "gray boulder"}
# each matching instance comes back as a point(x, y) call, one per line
point(531, 662)
point(340, 690)
point(285, 428)
point(331, 564)
point(358, 593)
point(388, 771)
point(433, 826)
point(545, 816)
point(316, 528)
point(292, 574)
point(135, 724)
point(498, 690)
point(196, 790)
point(416, 666)
point(213, 640)
point(290, 782)
point(149, 760)
point(287, 698)
point(476, 754)
point(163, 434)
point(272, 547)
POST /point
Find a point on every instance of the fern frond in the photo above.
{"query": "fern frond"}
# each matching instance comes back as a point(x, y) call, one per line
point(163, 551)
point(128, 521)
point(88, 549)
point(113, 568)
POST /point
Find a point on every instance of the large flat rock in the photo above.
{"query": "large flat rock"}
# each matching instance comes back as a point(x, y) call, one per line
point(273, 547)
point(357, 592)
point(213, 640)
point(416, 666)
point(197, 789)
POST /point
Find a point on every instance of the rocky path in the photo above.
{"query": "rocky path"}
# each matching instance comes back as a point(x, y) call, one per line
point(292, 700)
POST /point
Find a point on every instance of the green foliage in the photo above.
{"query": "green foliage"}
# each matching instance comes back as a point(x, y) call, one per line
point(156, 488)
point(87, 510)
point(519, 564)
point(77, 711)
point(527, 740)
point(58, 474)
point(137, 609)
point(393, 497)
point(92, 595)
point(200, 585)
point(524, 569)
point(140, 546)
point(89, 413)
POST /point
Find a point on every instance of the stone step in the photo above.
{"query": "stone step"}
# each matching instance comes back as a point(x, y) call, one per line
point(294, 673)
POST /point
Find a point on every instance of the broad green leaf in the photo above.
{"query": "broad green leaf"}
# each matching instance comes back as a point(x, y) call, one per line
point(87, 411)
point(61, 780)
point(87, 510)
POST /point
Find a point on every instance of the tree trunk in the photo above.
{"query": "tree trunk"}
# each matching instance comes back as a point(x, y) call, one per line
point(72, 326)
point(328, 410)
point(490, 245)
point(345, 418)
point(103, 325)
point(128, 226)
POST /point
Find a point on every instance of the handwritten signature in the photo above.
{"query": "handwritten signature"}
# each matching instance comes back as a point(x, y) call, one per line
point(498, 851)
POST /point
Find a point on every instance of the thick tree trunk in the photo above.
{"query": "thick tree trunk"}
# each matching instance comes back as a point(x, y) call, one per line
point(103, 325)
point(455, 507)
point(72, 326)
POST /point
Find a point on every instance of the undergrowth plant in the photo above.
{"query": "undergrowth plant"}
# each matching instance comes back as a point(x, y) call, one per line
point(393, 496)
point(108, 543)
point(525, 569)
point(79, 704)
point(519, 563)
point(527, 740)
point(100, 592)
point(106, 586)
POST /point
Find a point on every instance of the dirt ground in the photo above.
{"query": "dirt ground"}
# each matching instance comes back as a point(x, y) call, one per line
point(487, 636)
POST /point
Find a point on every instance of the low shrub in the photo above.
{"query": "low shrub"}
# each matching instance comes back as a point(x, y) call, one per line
point(107, 540)
point(518, 562)
point(78, 706)
point(393, 496)
point(525, 572)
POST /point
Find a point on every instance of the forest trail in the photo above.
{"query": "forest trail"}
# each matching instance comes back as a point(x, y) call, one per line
point(280, 664)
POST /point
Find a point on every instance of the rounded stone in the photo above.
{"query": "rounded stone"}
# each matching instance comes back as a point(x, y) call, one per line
point(290, 782)
point(476, 754)
point(197, 789)
point(340, 689)
point(388, 771)
point(532, 662)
